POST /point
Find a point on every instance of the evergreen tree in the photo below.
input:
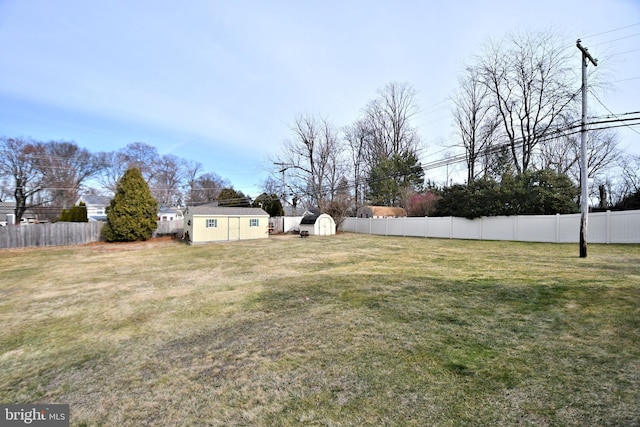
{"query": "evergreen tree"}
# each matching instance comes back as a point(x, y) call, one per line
point(542, 192)
point(270, 204)
point(392, 179)
point(132, 214)
point(231, 198)
point(75, 214)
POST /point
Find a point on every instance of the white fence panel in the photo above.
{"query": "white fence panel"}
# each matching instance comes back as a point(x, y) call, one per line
point(439, 227)
point(598, 230)
point(395, 226)
point(536, 228)
point(625, 227)
point(379, 226)
point(498, 228)
point(603, 227)
point(569, 229)
point(463, 228)
point(414, 227)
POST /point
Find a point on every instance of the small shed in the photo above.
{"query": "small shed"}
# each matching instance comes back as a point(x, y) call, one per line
point(318, 225)
point(203, 224)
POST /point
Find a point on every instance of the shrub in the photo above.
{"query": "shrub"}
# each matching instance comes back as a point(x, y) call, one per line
point(132, 213)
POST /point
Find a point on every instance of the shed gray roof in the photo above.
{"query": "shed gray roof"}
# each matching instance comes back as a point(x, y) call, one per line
point(225, 211)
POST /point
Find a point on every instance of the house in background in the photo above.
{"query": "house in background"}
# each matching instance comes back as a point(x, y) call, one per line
point(96, 206)
point(212, 223)
point(8, 214)
point(170, 214)
point(381, 212)
point(318, 225)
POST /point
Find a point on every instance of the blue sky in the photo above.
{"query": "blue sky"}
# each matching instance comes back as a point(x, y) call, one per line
point(220, 82)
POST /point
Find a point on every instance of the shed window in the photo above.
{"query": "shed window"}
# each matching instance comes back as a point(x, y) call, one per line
point(253, 222)
point(212, 223)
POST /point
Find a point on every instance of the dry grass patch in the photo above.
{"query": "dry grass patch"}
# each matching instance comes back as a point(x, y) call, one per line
point(347, 330)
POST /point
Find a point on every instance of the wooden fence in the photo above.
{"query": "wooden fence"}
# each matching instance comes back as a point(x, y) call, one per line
point(68, 233)
point(603, 227)
point(56, 234)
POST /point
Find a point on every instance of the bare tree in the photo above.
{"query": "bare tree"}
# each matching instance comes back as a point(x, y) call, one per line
point(388, 120)
point(531, 86)
point(312, 156)
point(142, 156)
point(19, 161)
point(206, 188)
point(113, 166)
point(630, 182)
point(357, 136)
point(475, 120)
point(270, 185)
point(563, 154)
point(66, 168)
point(5, 192)
point(168, 177)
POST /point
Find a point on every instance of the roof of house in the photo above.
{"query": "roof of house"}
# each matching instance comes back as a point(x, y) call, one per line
point(92, 200)
point(167, 209)
point(387, 211)
point(9, 208)
point(225, 211)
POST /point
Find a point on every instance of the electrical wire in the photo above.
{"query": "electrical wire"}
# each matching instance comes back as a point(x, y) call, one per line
point(613, 30)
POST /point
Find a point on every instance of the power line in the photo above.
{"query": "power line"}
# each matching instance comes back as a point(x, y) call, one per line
point(613, 55)
point(612, 30)
point(610, 112)
point(626, 80)
point(615, 40)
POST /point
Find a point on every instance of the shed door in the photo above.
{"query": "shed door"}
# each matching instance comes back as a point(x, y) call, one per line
point(324, 226)
point(234, 228)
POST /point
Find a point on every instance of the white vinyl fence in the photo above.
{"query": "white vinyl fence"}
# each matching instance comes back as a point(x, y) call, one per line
point(603, 227)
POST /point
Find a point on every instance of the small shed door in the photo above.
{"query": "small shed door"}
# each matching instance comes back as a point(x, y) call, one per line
point(234, 228)
point(324, 226)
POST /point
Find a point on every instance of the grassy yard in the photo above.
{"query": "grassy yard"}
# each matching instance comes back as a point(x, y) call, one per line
point(346, 330)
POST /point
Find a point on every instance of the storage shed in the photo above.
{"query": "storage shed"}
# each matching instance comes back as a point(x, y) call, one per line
point(318, 225)
point(203, 224)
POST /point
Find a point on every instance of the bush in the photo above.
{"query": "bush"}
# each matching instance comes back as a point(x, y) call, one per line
point(541, 192)
point(132, 213)
point(75, 214)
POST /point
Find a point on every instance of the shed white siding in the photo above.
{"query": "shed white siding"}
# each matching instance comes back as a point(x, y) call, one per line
point(323, 225)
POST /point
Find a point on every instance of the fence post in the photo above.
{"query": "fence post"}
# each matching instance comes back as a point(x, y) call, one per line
point(557, 228)
point(451, 227)
point(608, 228)
point(426, 227)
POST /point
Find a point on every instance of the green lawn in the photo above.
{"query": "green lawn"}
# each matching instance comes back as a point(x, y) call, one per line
point(346, 330)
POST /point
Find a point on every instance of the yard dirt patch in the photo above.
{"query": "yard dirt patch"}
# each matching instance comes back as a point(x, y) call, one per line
point(129, 246)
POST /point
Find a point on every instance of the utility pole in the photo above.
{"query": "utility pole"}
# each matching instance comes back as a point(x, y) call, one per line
point(284, 167)
point(584, 196)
